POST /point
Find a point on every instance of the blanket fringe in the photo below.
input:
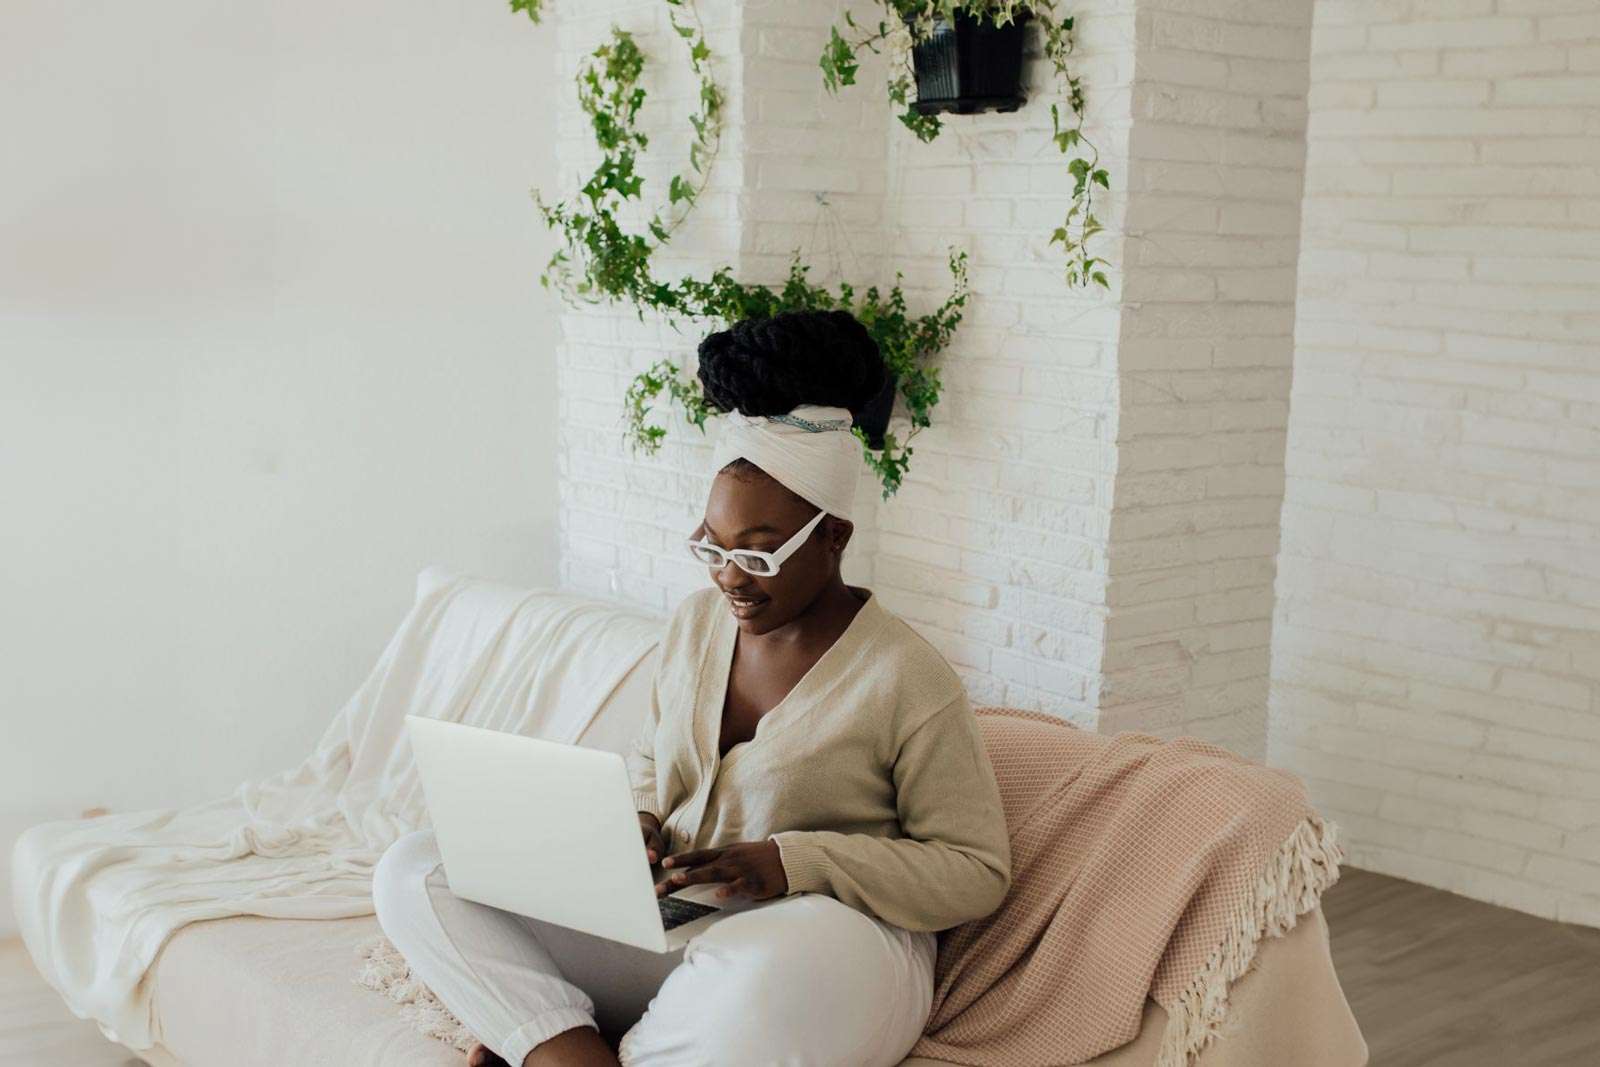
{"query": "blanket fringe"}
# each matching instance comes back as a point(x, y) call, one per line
point(384, 970)
point(1304, 866)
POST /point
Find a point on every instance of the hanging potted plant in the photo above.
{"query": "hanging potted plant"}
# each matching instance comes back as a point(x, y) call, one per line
point(928, 39)
point(967, 64)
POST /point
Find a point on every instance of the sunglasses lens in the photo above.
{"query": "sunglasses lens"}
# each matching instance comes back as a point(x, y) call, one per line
point(753, 564)
point(706, 555)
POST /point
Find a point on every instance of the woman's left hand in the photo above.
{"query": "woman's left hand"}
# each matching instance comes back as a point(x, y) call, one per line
point(751, 867)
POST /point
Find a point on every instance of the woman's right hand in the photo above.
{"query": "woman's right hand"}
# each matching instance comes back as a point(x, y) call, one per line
point(655, 843)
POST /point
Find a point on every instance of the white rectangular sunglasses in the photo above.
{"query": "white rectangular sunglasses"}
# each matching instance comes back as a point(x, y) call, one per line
point(752, 560)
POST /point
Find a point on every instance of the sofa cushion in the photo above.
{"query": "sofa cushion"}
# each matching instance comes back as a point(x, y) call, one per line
point(249, 990)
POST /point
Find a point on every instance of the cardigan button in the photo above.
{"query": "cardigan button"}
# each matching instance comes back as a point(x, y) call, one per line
point(683, 835)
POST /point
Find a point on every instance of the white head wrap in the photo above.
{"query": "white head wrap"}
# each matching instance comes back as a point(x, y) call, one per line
point(810, 451)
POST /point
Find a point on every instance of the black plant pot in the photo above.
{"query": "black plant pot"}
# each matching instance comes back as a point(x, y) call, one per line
point(873, 418)
point(970, 66)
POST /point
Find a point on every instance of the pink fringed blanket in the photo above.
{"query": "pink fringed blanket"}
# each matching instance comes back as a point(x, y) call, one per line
point(1140, 867)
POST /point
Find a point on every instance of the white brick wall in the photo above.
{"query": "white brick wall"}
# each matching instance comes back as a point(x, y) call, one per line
point(1436, 642)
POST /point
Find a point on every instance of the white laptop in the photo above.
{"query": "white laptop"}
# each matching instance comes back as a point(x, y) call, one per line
point(548, 830)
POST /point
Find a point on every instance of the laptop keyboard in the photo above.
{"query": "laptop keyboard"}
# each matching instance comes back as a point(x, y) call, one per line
point(675, 911)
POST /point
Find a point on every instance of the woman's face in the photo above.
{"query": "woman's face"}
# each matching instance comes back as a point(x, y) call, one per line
point(752, 510)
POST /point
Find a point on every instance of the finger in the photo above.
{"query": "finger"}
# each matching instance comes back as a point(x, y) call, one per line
point(713, 872)
point(688, 859)
point(735, 886)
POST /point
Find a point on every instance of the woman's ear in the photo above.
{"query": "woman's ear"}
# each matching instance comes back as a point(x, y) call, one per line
point(839, 531)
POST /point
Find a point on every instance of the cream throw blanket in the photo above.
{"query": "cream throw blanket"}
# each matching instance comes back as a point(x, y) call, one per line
point(97, 899)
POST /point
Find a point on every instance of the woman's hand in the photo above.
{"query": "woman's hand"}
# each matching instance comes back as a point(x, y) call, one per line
point(655, 844)
point(751, 867)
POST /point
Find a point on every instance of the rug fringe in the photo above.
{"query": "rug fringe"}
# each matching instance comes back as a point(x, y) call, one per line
point(1305, 865)
point(384, 970)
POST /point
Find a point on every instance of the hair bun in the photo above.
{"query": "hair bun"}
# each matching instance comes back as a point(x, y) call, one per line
point(770, 366)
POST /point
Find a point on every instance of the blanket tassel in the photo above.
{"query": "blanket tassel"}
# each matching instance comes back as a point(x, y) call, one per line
point(1305, 865)
point(385, 971)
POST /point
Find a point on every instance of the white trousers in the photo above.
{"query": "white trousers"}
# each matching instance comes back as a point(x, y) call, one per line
point(803, 982)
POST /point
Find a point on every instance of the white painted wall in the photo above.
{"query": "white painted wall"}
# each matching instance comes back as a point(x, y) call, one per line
point(271, 341)
point(1436, 648)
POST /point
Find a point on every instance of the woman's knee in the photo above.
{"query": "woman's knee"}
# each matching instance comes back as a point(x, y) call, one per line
point(806, 981)
point(399, 882)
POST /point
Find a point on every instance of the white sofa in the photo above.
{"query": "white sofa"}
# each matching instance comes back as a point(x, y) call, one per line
point(254, 992)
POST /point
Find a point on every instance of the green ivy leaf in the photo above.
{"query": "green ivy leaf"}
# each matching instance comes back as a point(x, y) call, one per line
point(530, 7)
point(838, 62)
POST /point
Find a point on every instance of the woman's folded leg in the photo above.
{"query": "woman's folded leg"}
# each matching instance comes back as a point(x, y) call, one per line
point(803, 982)
point(620, 979)
point(486, 965)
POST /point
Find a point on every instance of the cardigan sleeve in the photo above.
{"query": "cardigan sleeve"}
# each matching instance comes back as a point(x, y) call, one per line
point(954, 862)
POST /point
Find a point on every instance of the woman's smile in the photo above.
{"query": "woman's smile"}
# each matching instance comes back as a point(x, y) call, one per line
point(744, 607)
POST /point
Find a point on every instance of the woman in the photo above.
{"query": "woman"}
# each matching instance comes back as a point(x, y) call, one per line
point(804, 746)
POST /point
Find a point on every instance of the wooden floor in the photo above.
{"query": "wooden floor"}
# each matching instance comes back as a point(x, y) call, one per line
point(1435, 980)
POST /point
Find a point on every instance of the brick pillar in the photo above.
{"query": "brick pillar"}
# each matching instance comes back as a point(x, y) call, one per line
point(1203, 367)
point(994, 548)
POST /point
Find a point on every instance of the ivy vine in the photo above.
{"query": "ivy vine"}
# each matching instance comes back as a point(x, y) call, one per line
point(913, 21)
point(601, 260)
point(615, 263)
point(906, 341)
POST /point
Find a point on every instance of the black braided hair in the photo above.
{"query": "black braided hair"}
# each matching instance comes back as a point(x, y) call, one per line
point(770, 366)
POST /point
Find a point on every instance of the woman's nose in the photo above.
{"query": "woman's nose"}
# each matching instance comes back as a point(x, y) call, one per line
point(731, 578)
